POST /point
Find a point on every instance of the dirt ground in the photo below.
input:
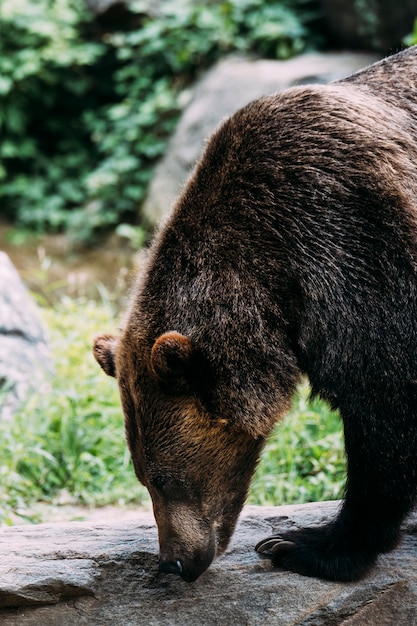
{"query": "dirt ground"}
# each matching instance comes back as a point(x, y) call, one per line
point(107, 514)
point(52, 265)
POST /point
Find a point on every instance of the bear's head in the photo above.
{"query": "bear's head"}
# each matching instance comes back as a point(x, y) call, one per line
point(196, 465)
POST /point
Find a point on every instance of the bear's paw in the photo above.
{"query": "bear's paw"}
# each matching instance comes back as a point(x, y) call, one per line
point(320, 552)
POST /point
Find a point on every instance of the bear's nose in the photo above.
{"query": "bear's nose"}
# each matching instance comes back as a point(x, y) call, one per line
point(170, 567)
point(176, 567)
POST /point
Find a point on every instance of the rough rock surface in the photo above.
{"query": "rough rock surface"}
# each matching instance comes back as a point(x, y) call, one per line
point(231, 84)
point(24, 356)
point(78, 573)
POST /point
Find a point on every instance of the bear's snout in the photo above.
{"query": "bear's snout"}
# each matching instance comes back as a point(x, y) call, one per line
point(170, 567)
point(187, 539)
point(186, 563)
point(188, 573)
point(188, 567)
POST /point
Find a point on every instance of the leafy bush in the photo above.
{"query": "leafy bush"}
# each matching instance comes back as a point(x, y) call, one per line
point(46, 76)
point(86, 113)
point(411, 39)
point(71, 440)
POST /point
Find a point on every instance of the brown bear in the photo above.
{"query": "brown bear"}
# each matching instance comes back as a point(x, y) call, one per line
point(293, 249)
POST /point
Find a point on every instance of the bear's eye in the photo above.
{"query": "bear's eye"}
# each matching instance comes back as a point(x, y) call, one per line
point(170, 488)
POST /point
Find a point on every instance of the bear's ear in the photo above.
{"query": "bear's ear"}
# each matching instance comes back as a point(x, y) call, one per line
point(104, 350)
point(171, 358)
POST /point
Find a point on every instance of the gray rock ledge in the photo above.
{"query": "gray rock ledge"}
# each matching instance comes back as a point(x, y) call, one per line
point(24, 350)
point(79, 573)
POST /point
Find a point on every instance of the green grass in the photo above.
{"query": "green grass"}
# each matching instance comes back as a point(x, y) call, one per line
point(70, 440)
point(304, 459)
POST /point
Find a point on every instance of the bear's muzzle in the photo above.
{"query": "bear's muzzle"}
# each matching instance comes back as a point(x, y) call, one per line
point(189, 568)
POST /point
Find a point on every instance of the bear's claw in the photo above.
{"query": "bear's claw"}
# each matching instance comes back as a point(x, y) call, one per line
point(271, 545)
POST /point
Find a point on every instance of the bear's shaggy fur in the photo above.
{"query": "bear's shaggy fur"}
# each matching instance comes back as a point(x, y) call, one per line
point(293, 249)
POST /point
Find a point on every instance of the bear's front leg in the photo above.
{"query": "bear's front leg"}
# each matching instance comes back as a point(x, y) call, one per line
point(381, 489)
point(324, 552)
point(343, 550)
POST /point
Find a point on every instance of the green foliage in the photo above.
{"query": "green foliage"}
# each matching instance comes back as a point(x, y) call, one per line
point(86, 113)
point(70, 439)
point(411, 39)
point(45, 70)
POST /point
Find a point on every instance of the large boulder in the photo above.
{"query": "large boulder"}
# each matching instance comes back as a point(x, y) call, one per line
point(78, 573)
point(24, 354)
point(231, 84)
